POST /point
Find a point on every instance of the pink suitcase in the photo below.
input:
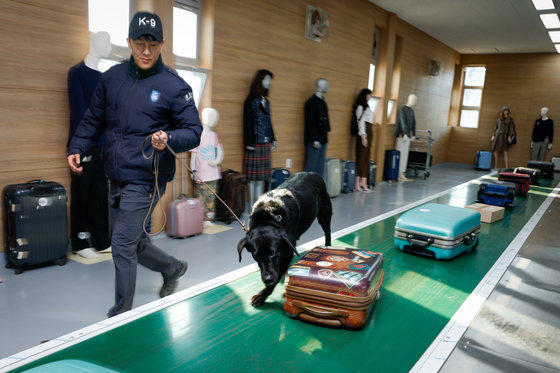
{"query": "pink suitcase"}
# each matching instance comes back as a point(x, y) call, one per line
point(185, 217)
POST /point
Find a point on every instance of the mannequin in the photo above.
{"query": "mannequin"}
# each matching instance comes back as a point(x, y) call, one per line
point(543, 132)
point(405, 130)
point(502, 135)
point(258, 135)
point(88, 204)
point(205, 161)
point(316, 128)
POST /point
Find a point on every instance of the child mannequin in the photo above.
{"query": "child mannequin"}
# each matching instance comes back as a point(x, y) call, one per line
point(205, 162)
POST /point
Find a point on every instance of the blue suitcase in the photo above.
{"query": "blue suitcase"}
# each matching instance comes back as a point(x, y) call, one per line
point(497, 193)
point(392, 161)
point(437, 231)
point(277, 177)
point(348, 176)
point(483, 160)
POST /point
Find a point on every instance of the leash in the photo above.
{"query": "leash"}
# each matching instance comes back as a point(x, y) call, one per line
point(154, 157)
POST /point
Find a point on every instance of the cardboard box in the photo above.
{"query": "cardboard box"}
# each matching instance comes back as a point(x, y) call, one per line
point(488, 213)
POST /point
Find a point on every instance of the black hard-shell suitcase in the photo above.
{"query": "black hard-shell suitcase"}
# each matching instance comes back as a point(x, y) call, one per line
point(35, 224)
point(372, 173)
point(546, 168)
point(232, 191)
point(534, 173)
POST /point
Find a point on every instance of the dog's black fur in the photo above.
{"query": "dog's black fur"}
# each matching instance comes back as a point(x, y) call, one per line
point(277, 221)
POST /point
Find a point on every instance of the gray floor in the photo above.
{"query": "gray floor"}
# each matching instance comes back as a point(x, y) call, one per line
point(518, 327)
point(49, 302)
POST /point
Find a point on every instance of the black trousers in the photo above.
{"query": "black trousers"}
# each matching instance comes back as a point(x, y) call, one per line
point(89, 225)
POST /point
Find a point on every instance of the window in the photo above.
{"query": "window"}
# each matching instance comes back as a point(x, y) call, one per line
point(186, 45)
point(112, 16)
point(185, 32)
point(473, 84)
point(371, 78)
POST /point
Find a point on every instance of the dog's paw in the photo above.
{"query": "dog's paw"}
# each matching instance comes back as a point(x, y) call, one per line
point(258, 300)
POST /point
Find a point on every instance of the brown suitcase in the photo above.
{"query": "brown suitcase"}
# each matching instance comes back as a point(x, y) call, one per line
point(334, 286)
point(232, 192)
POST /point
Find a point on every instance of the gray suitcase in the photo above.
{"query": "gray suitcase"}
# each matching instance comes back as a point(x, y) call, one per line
point(333, 176)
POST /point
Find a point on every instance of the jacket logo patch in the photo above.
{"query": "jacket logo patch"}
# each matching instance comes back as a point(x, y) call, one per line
point(189, 96)
point(154, 96)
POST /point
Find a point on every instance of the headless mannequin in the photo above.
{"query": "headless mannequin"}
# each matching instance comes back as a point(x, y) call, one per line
point(256, 187)
point(405, 134)
point(89, 189)
point(206, 160)
point(100, 47)
point(316, 128)
point(543, 126)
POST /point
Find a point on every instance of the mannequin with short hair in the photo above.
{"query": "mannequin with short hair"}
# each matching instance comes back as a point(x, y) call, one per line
point(543, 132)
point(89, 223)
point(316, 128)
point(405, 131)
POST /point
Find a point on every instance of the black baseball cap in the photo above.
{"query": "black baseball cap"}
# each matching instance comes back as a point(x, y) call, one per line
point(145, 23)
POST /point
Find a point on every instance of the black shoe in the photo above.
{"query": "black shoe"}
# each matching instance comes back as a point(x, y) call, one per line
point(170, 285)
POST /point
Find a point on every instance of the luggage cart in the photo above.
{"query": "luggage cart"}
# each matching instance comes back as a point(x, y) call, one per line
point(420, 153)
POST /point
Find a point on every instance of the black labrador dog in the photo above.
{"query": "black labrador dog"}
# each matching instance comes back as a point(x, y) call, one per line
point(277, 221)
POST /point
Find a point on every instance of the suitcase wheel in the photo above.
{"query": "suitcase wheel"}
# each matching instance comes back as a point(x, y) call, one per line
point(61, 261)
point(18, 270)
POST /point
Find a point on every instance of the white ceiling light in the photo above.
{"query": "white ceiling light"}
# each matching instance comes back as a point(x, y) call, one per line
point(555, 36)
point(543, 4)
point(550, 20)
point(557, 47)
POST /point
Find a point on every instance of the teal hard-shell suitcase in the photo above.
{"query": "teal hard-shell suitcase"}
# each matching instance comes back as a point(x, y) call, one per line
point(437, 231)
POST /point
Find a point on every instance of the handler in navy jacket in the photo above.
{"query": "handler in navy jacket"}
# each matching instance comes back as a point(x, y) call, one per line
point(134, 100)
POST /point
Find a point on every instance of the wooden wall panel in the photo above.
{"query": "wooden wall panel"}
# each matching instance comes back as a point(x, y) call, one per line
point(253, 35)
point(41, 41)
point(525, 82)
point(433, 92)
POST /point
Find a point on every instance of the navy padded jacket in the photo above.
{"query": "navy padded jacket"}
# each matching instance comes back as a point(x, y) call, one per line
point(131, 103)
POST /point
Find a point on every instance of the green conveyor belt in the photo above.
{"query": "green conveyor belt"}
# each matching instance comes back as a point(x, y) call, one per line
point(219, 331)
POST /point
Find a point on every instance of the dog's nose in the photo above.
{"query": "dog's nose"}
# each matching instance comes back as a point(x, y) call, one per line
point(267, 278)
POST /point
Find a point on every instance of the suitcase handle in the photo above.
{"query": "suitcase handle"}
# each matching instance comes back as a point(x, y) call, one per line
point(318, 320)
point(414, 238)
point(320, 311)
point(42, 191)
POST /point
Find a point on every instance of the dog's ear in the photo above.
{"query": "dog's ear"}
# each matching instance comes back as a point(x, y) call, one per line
point(287, 242)
point(245, 243)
